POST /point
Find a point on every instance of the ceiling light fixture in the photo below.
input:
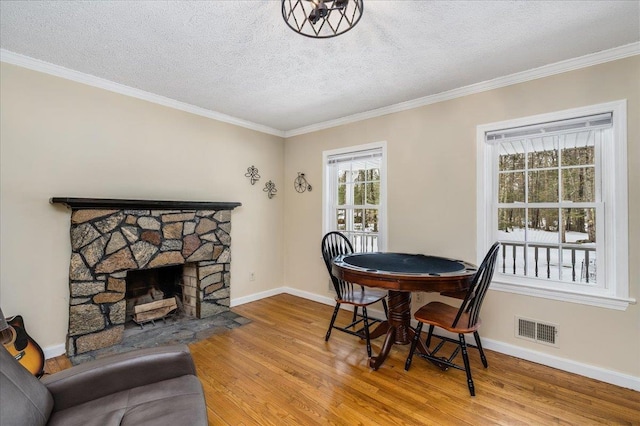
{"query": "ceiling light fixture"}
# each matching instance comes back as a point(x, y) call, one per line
point(322, 18)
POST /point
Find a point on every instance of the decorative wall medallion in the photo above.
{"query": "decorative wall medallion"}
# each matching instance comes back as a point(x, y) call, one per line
point(301, 184)
point(270, 189)
point(252, 174)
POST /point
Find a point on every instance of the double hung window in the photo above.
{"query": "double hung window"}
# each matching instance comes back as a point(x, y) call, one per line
point(354, 195)
point(552, 190)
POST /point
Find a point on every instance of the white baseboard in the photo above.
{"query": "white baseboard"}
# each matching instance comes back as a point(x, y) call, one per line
point(256, 296)
point(309, 296)
point(591, 371)
point(288, 290)
point(54, 351)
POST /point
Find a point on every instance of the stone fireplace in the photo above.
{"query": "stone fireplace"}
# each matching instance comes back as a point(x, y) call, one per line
point(112, 238)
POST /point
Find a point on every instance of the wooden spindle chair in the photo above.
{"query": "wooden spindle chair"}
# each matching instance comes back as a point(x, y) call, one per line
point(462, 320)
point(334, 244)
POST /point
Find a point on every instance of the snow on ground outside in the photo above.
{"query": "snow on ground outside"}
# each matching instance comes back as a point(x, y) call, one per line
point(564, 273)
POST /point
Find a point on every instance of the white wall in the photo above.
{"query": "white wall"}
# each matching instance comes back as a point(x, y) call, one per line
point(432, 203)
point(61, 138)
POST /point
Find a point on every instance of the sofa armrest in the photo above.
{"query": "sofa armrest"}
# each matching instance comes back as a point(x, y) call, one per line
point(95, 379)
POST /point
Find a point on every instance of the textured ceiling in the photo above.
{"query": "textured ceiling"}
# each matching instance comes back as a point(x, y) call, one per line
point(240, 59)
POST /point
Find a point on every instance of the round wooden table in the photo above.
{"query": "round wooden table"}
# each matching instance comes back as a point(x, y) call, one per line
point(400, 274)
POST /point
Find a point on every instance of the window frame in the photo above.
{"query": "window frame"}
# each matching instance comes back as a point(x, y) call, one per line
point(614, 291)
point(327, 218)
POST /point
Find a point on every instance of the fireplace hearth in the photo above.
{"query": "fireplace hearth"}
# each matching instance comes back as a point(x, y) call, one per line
point(113, 240)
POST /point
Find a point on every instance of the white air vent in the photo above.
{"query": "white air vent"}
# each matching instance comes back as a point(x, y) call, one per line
point(536, 331)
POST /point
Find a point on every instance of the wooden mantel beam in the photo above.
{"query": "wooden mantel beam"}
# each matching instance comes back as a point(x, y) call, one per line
point(110, 203)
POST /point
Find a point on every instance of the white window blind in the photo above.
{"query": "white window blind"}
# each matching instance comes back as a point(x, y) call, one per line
point(593, 122)
point(369, 154)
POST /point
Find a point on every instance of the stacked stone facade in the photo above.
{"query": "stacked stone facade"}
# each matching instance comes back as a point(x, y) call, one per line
point(107, 243)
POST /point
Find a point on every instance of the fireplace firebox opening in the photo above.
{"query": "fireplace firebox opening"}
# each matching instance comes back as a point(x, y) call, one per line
point(146, 286)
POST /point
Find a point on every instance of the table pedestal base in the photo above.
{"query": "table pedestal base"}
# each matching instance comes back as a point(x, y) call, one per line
point(397, 328)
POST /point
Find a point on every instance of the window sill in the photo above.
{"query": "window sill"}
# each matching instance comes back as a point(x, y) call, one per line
point(602, 301)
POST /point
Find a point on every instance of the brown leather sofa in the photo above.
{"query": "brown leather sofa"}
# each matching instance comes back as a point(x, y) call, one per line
point(156, 386)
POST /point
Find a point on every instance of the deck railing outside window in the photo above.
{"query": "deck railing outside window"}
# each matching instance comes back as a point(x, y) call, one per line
point(363, 242)
point(569, 262)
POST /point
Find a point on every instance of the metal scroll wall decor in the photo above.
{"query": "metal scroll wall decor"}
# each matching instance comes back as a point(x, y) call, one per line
point(300, 183)
point(270, 189)
point(252, 174)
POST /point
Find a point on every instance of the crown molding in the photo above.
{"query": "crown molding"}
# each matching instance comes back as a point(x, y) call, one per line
point(521, 77)
point(91, 80)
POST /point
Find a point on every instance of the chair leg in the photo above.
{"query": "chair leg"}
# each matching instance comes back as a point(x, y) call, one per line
point(333, 320)
point(467, 367)
point(386, 310)
point(355, 314)
point(428, 341)
point(414, 343)
point(366, 329)
point(479, 345)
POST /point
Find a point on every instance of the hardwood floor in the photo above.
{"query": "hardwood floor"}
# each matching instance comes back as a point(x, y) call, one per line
point(278, 370)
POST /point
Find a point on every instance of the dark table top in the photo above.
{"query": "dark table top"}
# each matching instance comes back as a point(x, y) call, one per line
point(405, 263)
point(404, 271)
